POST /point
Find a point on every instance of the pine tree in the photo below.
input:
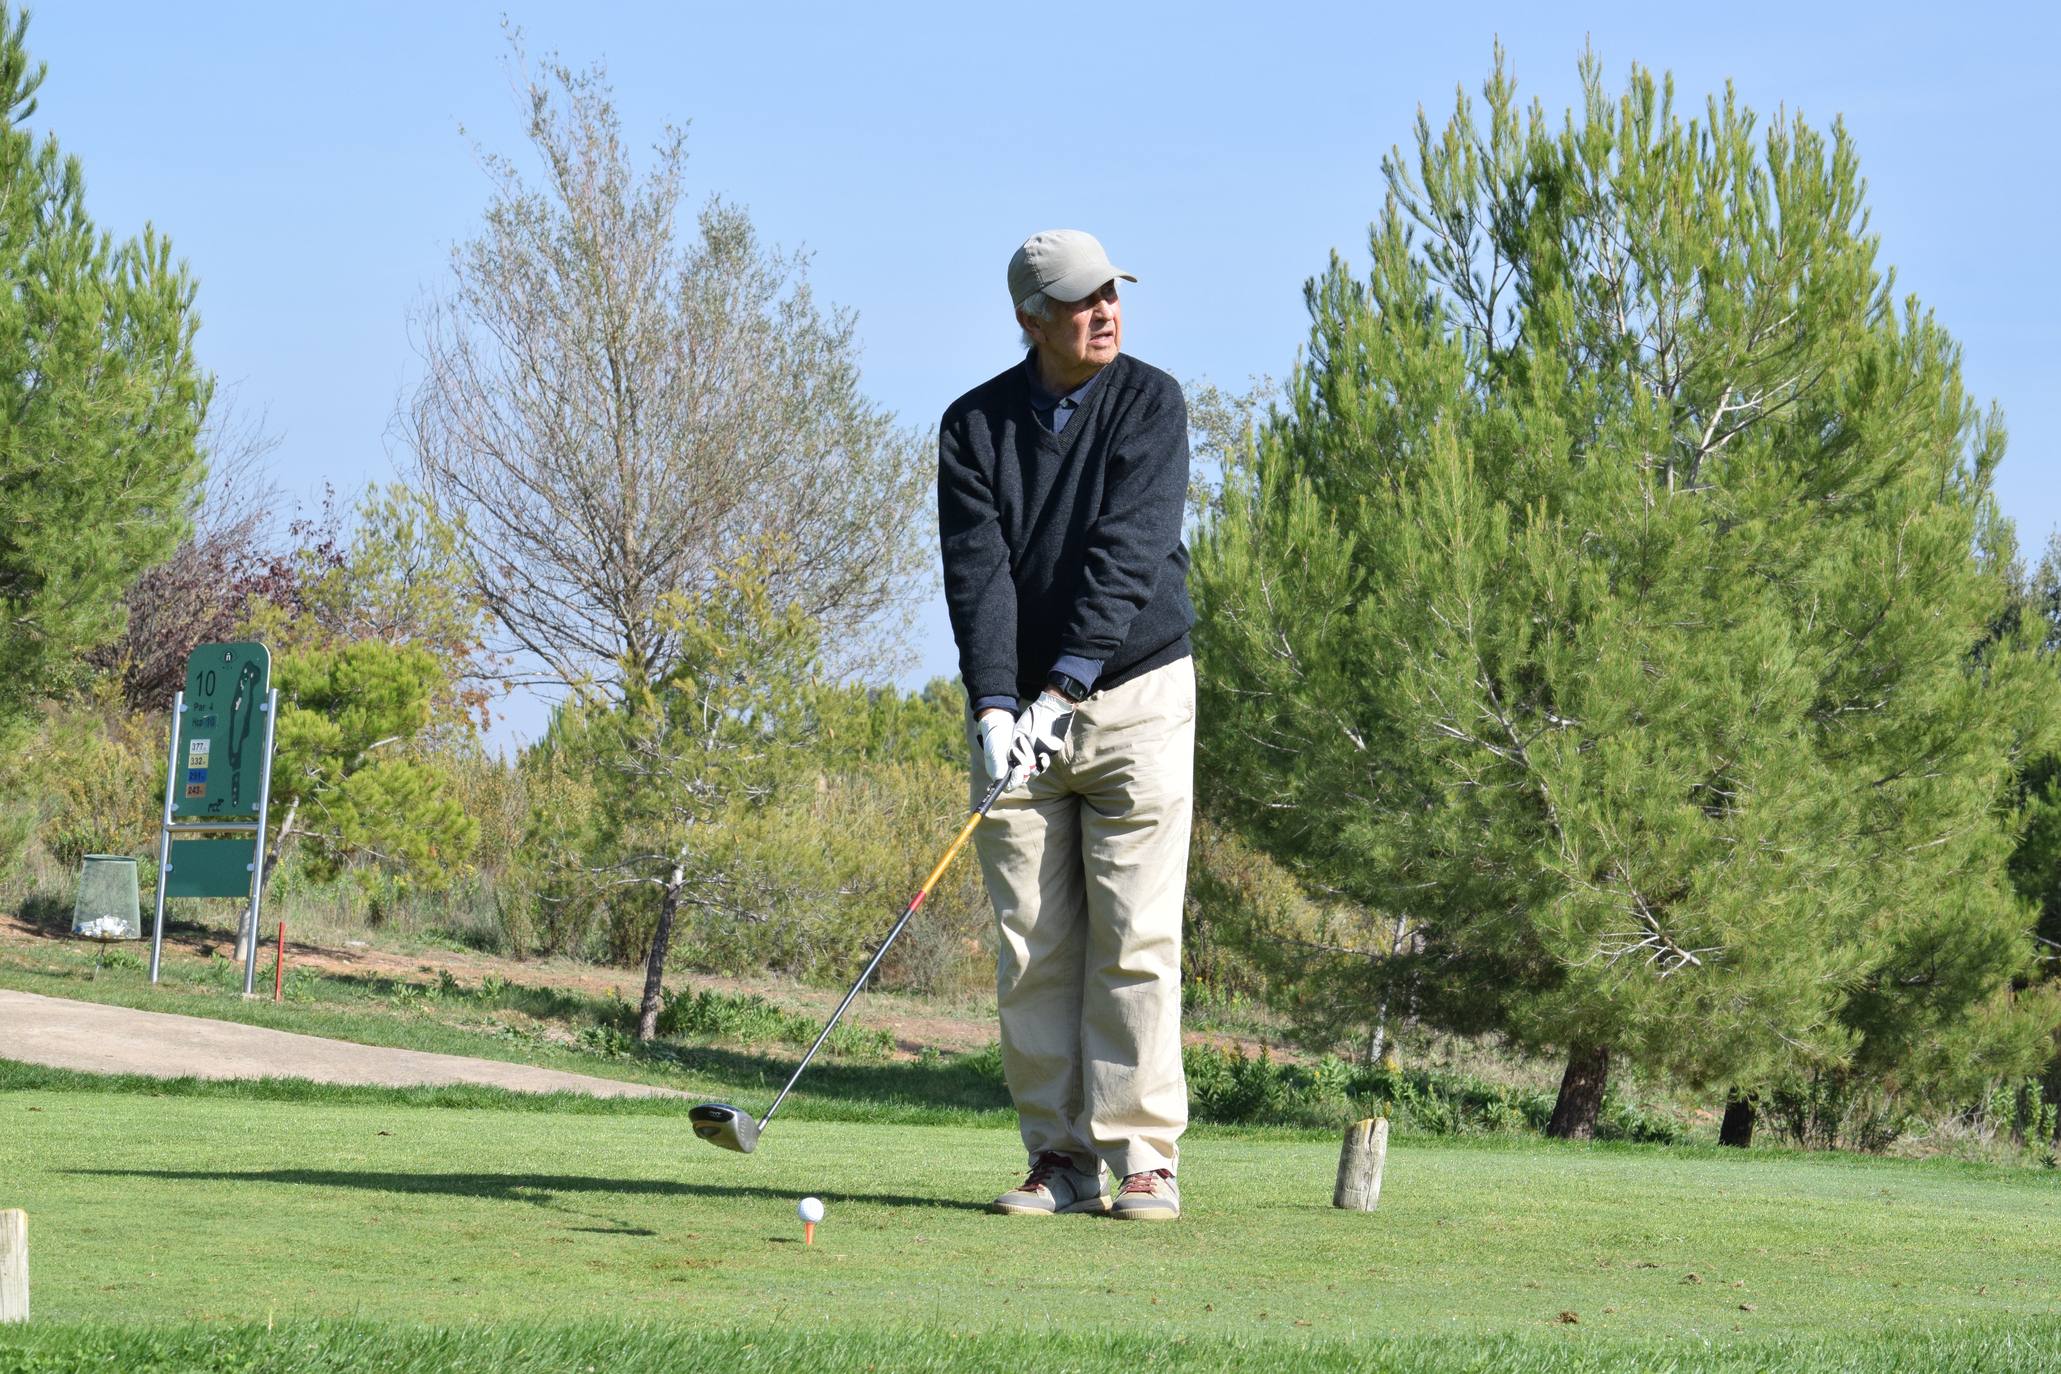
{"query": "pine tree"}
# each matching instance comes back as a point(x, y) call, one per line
point(1604, 598)
point(354, 783)
point(103, 401)
point(2036, 862)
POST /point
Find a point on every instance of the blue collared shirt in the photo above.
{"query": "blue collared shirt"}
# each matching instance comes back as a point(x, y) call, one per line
point(1054, 411)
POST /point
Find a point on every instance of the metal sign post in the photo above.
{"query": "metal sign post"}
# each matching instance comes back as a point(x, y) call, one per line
point(257, 865)
point(218, 853)
point(164, 835)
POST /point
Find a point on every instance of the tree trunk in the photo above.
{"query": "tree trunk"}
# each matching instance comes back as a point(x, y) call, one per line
point(1581, 1093)
point(655, 966)
point(245, 932)
point(278, 839)
point(2052, 1083)
point(1737, 1129)
point(1377, 1039)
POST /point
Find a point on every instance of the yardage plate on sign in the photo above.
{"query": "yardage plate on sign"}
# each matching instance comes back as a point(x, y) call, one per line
point(220, 768)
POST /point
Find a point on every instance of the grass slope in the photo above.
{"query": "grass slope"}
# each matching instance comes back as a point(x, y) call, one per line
point(547, 1027)
point(725, 1045)
point(534, 1348)
point(830, 1092)
point(388, 1215)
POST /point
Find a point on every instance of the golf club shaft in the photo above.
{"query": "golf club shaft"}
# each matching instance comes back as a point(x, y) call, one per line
point(965, 831)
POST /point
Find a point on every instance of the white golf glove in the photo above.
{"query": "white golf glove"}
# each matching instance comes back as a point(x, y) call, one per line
point(1040, 736)
point(996, 728)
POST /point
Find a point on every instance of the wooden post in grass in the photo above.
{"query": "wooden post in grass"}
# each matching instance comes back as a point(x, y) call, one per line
point(14, 1266)
point(1359, 1165)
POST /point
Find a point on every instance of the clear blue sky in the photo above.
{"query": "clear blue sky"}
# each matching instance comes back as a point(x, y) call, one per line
point(307, 161)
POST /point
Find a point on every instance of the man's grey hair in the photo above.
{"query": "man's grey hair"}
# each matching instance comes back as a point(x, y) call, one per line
point(1038, 306)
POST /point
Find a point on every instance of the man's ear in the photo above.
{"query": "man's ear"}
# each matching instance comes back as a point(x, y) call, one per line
point(1029, 325)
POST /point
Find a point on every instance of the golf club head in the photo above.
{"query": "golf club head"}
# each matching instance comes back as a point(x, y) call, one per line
point(721, 1124)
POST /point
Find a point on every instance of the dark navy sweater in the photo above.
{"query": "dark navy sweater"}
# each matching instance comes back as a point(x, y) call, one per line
point(1068, 544)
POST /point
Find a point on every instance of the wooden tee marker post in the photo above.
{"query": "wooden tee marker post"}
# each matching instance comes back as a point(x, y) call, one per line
point(1359, 1165)
point(14, 1266)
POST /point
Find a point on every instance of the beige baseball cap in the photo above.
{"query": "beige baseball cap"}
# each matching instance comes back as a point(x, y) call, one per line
point(1065, 264)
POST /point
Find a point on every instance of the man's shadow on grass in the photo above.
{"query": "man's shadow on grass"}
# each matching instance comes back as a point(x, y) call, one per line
point(539, 1190)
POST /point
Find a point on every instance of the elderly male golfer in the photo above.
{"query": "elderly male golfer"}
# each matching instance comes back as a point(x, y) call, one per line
point(1061, 485)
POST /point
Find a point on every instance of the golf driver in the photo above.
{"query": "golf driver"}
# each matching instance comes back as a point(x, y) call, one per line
point(719, 1123)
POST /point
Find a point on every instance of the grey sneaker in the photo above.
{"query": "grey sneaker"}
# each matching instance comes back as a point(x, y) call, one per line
point(1054, 1185)
point(1150, 1196)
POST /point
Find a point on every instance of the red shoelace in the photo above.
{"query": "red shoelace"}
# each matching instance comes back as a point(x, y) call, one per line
point(1047, 1164)
point(1146, 1182)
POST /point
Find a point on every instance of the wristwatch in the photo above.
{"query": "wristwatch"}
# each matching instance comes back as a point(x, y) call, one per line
point(1068, 686)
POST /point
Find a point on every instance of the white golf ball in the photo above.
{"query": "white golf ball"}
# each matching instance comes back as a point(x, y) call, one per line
point(811, 1209)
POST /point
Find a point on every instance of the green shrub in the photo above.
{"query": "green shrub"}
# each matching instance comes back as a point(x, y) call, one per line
point(1622, 1120)
point(985, 1063)
point(751, 1019)
point(1830, 1108)
point(100, 773)
point(1230, 1087)
point(222, 971)
point(1226, 1086)
point(607, 1041)
point(2035, 1120)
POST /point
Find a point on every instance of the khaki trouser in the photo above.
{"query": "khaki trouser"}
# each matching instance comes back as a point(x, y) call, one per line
point(1086, 867)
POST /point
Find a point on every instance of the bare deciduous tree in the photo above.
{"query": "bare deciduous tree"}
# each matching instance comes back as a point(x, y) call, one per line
point(611, 407)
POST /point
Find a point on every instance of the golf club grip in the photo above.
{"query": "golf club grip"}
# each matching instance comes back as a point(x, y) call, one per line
point(994, 794)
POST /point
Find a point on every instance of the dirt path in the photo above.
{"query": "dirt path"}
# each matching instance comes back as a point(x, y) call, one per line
point(88, 1036)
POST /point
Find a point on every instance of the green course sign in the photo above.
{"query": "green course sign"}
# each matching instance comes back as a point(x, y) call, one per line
point(218, 781)
point(211, 868)
point(220, 755)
